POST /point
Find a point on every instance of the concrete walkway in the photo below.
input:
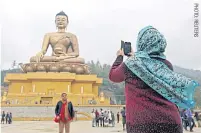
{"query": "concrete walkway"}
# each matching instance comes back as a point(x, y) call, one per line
point(51, 127)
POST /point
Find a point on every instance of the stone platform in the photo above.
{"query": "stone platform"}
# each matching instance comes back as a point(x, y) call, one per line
point(55, 67)
point(46, 87)
point(51, 127)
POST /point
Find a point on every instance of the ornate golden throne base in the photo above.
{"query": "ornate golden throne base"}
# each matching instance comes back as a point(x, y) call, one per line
point(55, 67)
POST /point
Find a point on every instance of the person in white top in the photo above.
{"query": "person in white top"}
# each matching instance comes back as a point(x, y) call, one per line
point(93, 115)
point(110, 117)
point(101, 117)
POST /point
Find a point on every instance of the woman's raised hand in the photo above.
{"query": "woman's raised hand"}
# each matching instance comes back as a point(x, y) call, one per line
point(131, 53)
point(120, 52)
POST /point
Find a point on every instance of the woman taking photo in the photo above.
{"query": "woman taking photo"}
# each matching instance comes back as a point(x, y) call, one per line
point(151, 87)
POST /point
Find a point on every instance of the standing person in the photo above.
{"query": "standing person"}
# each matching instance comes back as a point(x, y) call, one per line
point(101, 117)
point(113, 119)
point(123, 114)
point(3, 117)
point(105, 117)
point(190, 119)
point(64, 113)
point(184, 119)
point(10, 118)
point(106, 121)
point(97, 118)
point(110, 116)
point(7, 118)
point(149, 86)
point(118, 117)
point(93, 115)
point(197, 119)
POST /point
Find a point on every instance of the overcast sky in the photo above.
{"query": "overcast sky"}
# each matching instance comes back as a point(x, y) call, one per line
point(99, 26)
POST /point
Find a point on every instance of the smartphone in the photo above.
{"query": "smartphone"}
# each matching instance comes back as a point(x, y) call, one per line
point(126, 47)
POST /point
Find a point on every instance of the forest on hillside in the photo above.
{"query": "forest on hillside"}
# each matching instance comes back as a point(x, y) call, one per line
point(116, 91)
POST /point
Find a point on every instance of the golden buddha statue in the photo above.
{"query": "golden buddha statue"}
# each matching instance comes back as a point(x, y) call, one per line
point(65, 51)
point(4, 96)
point(64, 44)
point(102, 97)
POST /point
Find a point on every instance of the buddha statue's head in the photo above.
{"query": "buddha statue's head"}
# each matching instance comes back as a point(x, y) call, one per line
point(61, 20)
point(5, 93)
point(101, 94)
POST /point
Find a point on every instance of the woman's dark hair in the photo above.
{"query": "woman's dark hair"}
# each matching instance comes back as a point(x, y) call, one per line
point(63, 94)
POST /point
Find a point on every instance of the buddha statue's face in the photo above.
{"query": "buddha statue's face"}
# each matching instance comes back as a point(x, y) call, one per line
point(102, 94)
point(61, 21)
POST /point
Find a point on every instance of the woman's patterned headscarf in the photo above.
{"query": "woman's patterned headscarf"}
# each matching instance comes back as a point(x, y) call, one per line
point(173, 86)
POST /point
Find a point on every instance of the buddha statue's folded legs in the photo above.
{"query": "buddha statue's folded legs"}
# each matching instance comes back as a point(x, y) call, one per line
point(74, 60)
point(44, 59)
point(57, 59)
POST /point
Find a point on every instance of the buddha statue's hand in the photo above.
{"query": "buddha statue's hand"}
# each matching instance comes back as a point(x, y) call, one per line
point(60, 58)
point(39, 56)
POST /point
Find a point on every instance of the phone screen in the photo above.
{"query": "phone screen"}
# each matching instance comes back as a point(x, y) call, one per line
point(127, 48)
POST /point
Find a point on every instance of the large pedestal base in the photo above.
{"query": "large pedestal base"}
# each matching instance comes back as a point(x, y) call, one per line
point(55, 67)
point(46, 88)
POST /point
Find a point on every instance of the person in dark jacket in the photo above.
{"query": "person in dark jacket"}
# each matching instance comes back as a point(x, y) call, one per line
point(7, 118)
point(197, 119)
point(190, 119)
point(184, 119)
point(3, 117)
point(123, 114)
point(101, 118)
point(97, 118)
point(10, 118)
point(118, 117)
point(64, 113)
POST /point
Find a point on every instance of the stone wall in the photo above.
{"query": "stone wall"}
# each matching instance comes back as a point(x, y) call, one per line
point(40, 112)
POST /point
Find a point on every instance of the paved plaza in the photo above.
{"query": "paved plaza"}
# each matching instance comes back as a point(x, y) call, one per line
point(51, 127)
